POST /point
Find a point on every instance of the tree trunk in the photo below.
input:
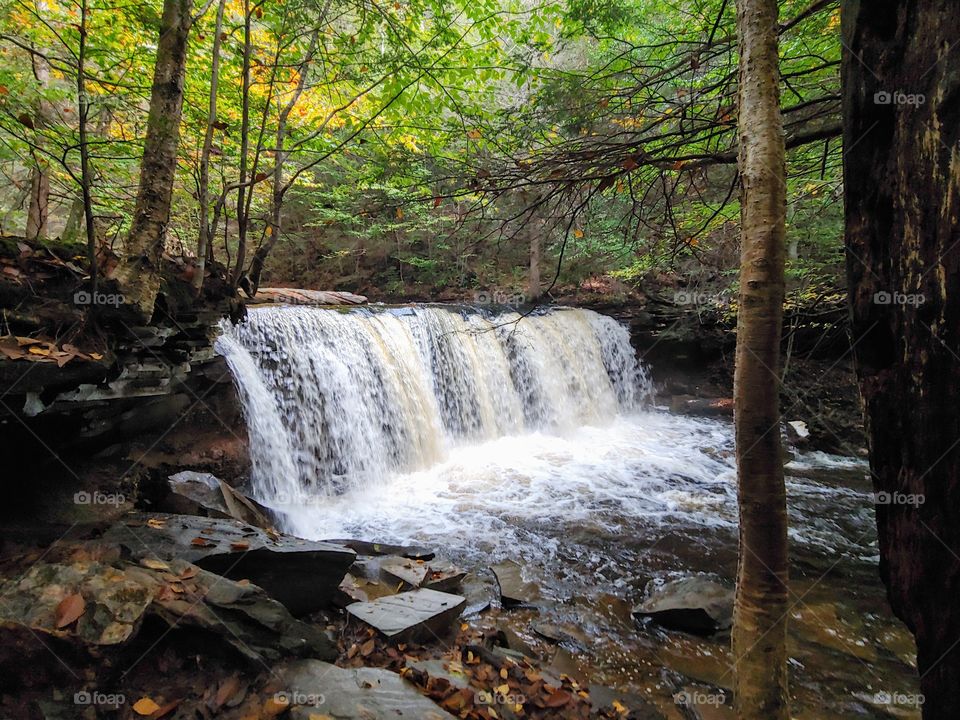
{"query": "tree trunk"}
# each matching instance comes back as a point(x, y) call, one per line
point(533, 279)
point(39, 207)
point(85, 174)
point(39, 201)
point(206, 231)
point(139, 270)
point(242, 189)
point(901, 75)
point(760, 615)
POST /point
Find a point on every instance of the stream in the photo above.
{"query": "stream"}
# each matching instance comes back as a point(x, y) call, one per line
point(491, 437)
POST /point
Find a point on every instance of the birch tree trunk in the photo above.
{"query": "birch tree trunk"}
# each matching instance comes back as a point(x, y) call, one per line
point(759, 631)
point(206, 230)
point(901, 85)
point(138, 272)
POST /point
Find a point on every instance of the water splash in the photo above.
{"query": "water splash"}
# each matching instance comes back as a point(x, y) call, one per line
point(339, 400)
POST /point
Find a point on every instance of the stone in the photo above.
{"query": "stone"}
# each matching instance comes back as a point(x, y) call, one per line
point(417, 615)
point(303, 575)
point(514, 590)
point(411, 572)
point(218, 498)
point(318, 689)
point(111, 601)
point(694, 604)
point(704, 407)
point(629, 704)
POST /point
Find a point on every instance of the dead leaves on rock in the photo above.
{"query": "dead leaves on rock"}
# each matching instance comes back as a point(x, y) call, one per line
point(14, 347)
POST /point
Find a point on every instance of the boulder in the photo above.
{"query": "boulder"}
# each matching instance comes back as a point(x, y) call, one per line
point(420, 615)
point(218, 498)
point(704, 407)
point(88, 606)
point(301, 574)
point(317, 689)
point(514, 590)
point(695, 604)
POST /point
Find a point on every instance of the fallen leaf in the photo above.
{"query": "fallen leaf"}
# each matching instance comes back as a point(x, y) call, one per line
point(69, 610)
point(201, 542)
point(558, 699)
point(154, 564)
point(239, 546)
point(145, 706)
point(275, 706)
point(154, 522)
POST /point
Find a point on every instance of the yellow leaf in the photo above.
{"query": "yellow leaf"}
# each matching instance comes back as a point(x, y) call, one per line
point(145, 706)
point(578, 233)
point(504, 674)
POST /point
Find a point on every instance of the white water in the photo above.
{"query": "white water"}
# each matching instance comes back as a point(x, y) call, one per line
point(490, 438)
point(338, 401)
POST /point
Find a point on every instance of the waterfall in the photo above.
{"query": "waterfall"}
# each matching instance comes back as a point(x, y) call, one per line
point(337, 399)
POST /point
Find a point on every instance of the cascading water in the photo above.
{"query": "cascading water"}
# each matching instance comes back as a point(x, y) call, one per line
point(490, 439)
point(339, 400)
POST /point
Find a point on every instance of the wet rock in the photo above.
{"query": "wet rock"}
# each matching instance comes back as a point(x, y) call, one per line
point(508, 638)
point(567, 634)
point(694, 604)
point(318, 689)
point(417, 615)
point(797, 432)
point(480, 591)
point(706, 703)
point(411, 572)
point(626, 704)
point(371, 549)
point(705, 407)
point(218, 498)
point(437, 575)
point(301, 574)
point(514, 590)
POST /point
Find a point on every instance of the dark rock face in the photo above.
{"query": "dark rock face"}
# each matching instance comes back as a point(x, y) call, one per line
point(301, 574)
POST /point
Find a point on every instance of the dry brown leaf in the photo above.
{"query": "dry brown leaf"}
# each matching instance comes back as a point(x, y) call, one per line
point(69, 610)
point(154, 564)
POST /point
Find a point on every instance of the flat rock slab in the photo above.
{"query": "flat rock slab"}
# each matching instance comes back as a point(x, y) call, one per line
point(301, 574)
point(318, 689)
point(514, 590)
point(416, 615)
point(434, 575)
point(694, 604)
point(411, 572)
